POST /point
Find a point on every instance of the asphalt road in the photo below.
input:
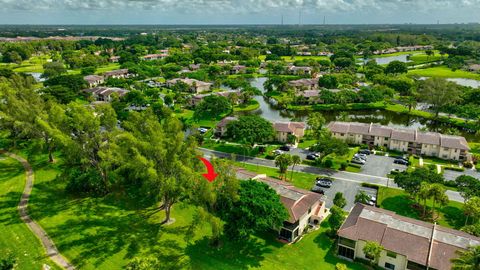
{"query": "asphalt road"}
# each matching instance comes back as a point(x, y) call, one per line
point(342, 178)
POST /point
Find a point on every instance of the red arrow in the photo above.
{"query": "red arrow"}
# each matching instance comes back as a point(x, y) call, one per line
point(210, 175)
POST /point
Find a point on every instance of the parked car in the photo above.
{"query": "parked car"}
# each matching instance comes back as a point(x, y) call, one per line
point(285, 148)
point(401, 161)
point(278, 152)
point(358, 161)
point(401, 157)
point(365, 152)
point(318, 189)
point(324, 182)
point(202, 130)
point(312, 157)
point(360, 156)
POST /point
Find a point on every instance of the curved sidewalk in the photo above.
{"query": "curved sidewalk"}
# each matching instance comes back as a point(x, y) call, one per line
point(51, 249)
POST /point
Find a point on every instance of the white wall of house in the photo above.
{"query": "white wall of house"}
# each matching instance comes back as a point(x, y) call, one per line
point(449, 153)
point(399, 145)
point(400, 261)
point(381, 141)
point(430, 150)
point(281, 136)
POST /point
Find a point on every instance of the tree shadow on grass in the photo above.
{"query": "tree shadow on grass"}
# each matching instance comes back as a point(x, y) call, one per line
point(402, 205)
point(454, 216)
point(235, 255)
point(8, 208)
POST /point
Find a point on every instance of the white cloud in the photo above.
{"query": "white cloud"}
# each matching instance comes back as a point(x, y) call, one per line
point(236, 6)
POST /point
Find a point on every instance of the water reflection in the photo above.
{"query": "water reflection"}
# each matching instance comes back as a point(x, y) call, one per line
point(392, 119)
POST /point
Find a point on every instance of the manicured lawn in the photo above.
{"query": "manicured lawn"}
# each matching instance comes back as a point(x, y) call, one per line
point(15, 237)
point(34, 64)
point(399, 201)
point(423, 58)
point(443, 71)
point(475, 148)
point(109, 67)
point(106, 233)
point(300, 179)
point(250, 106)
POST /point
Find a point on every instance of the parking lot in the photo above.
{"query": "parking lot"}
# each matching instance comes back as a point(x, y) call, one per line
point(380, 166)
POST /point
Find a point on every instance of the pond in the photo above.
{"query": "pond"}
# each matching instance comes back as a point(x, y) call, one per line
point(387, 59)
point(461, 81)
point(268, 111)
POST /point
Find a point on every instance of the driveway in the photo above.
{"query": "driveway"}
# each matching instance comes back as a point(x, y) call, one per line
point(380, 166)
point(349, 190)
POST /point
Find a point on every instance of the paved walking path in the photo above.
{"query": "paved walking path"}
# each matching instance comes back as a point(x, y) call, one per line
point(51, 250)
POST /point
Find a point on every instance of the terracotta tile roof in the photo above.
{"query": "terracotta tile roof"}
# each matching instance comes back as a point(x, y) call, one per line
point(456, 142)
point(403, 135)
point(406, 236)
point(428, 138)
point(225, 121)
point(309, 93)
point(377, 130)
point(297, 201)
point(289, 127)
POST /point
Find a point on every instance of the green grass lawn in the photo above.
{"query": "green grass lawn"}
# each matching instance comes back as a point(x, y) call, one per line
point(399, 201)
point(423, 58)
point(106, 233)
point(109, 67)
point(475, 148)
point(34, 64)
point(15, 237)
point(250, 106)
point(445, 72)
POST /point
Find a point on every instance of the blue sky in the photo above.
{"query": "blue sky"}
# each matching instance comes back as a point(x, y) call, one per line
point(237, 11)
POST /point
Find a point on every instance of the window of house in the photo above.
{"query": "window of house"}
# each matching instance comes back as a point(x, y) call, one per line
point(346, 252)
point(415, 266)
point(346, 242)
point(389, 266)
point(391, 254)
point(386, 139)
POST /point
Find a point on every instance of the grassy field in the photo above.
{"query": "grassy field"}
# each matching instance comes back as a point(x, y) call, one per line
point(443, 71)
point(106, 233)
point(15, 237)
point(34, 64)
point(399, 201)
point(250, 106)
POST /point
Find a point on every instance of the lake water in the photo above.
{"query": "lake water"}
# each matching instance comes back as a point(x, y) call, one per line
point(392, 119)
point(461, 81)
point(387, 59)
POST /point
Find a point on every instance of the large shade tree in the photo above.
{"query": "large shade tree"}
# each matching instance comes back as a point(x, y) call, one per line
point(439, 93)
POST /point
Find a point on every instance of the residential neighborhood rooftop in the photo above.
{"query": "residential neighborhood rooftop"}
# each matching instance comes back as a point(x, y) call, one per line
point(406, 236)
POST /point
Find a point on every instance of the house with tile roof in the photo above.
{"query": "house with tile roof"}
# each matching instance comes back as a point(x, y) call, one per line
point(304, 207)
point(94, 80)
point(195, 86)
point(407, 243)
point(104, 94)
point(404, 140)
point(284, 130)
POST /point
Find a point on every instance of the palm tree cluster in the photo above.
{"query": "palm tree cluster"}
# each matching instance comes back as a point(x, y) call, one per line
point(283, 161)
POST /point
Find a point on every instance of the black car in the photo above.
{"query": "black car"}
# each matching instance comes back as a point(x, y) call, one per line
point(365, 152)
point(401, 157)
point(318, 189)
point(312, 156)
point(401, 161)
point(285, 148)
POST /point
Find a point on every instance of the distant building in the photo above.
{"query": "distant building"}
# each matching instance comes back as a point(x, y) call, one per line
point(195, 86)
point(237, 69)
point(105, 93)
point(285, 129)
point(304, 84)
point(114, 59)
point(118, 74)
point(221, 128)
point(310, 96)
point(304, 207)
point(294, 70)
point(155, 56)
point(407, 243)
point(474, 68)
point(94, 80)
point(403, 140)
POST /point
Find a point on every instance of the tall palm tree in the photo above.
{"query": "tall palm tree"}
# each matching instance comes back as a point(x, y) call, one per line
point(468, 260)
point(423, 195)
point(282, 162)
point(295, 160)
point(437, 193)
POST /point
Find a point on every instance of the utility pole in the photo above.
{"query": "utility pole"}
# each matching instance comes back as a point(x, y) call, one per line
point(300, 18)
point(282, 19)
point(324, 20)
